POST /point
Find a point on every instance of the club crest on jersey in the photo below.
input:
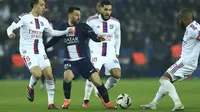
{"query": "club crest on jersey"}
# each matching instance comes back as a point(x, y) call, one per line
point(111, 26)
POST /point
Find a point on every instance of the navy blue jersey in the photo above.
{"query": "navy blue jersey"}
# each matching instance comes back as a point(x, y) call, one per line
point(76, 42)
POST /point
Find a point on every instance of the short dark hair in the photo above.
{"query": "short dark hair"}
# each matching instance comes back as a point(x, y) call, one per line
point(32, 2)
point(105, 2)
point(71, 9)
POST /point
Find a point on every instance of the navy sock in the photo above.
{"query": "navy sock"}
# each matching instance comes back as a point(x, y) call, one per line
point(104, 93)
point(67, 89)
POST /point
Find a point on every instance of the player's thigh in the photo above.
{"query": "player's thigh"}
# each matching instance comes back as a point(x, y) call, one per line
point(47, 72)
point(31, 62)
point(113, 66)
point(70, 71)
point(97, 61)
point(85, 68)
point(44, 62)
point(179, 71)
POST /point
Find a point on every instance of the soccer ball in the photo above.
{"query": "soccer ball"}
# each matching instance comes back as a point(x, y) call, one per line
point(123, 101)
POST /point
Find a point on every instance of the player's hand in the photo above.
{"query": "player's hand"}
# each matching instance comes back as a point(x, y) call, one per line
point(101, 38)
point(12, 35)
point(70, 30)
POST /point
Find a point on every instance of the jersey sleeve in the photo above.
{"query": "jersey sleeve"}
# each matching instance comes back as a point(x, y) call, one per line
point(54, 40)
point(51, 32)
point(117, 38)
point(18, 22)
point(91, 34)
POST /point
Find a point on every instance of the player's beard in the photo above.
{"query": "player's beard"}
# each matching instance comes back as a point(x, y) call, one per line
point(104, 17)
point(183, 26)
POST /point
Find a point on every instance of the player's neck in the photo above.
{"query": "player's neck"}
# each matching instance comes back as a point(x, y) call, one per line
point(70, 23)
point(188, 22)
point(33, 12)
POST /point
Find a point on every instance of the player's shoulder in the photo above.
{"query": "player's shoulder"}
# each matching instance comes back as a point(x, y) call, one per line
point(114, 19)
point(24, 15)
point(92, 18)
point(193, 27)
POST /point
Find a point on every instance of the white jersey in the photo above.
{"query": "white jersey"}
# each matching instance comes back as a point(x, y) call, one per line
point(111, 30)
point(191, 44)
point(31, 32)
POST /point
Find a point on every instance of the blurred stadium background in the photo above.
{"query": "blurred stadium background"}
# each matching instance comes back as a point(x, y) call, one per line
point(151, 36)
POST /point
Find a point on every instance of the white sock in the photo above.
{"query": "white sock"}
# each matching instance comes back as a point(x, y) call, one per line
point(111, 82)
point(33, 81)
point(171, 91)
point(88, 89)
point(159, 95)
point(50, 87)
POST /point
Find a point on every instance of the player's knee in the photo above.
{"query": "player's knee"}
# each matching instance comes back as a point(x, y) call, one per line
point(37, 73)
point(116, 73)
point(68, 76)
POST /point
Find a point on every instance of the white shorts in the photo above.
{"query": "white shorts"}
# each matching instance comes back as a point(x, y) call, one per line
point(32, 60)
point(108, 62)
point(180, 71)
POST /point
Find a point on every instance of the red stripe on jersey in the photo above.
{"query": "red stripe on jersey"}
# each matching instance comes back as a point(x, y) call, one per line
point(68, 52)
point(77, 50)
point(74, 33)
point(35, 46)
point(104, 49)
point(37, 24)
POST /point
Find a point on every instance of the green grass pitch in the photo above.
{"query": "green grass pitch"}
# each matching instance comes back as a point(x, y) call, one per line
point(13, 96)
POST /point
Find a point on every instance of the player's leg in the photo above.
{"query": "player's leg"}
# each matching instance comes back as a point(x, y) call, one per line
point(166, 81)
point(67, 82)
point(50, 84)
point(89, 72)
point(159, 95)
point(89, 85)
point(31, 63)
point(36, 74)
point(96, 80)
point(114, 68)
point(42, 85)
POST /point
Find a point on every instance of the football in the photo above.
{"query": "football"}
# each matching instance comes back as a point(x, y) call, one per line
point(123, 101)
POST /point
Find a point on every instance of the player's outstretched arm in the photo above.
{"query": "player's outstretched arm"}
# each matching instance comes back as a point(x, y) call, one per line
point(15, 24)
point(52, 42)
point(91, 34)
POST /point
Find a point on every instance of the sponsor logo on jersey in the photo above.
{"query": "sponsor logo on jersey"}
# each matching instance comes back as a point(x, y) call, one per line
point(71, 40)
point(42, 24)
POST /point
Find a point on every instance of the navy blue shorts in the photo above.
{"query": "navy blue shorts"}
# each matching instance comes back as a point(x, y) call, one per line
point(81, 67)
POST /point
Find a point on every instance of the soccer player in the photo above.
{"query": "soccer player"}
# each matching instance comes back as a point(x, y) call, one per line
point(76, 56)
point(32, 26)
point(184, 67)
point(105, 53)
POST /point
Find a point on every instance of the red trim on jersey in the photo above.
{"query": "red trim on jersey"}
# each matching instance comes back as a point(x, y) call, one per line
point(77, 50)
point(68, 52)
point(24, 14)
point(95, 17)
point(114, 19)
point(35, 47)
